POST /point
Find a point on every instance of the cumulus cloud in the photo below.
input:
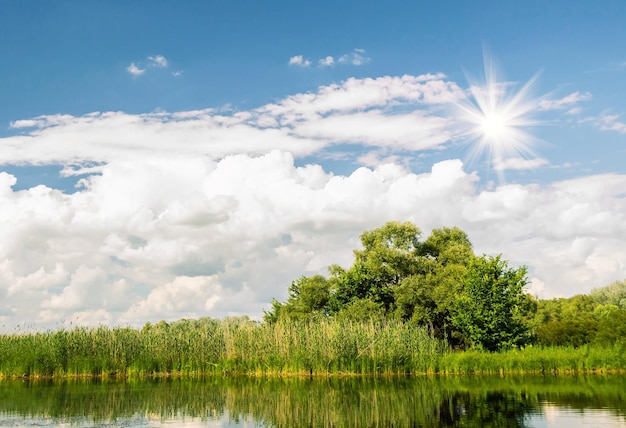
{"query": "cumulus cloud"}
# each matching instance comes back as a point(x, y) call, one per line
point(212, 213)
point(299, 61)
point(135, 70)
point(188, 236)
point(329, 61)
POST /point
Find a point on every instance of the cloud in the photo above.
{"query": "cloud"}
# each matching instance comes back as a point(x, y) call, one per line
point(158, 61)
point(299, 61)
point(565, 102)
point(135, 70)
point(608, 122)
point(177, 73)
point(214, 213)
point(390, 112)
point(356, 57)
point(329, 61)
point(179, 236)
point(519, 163)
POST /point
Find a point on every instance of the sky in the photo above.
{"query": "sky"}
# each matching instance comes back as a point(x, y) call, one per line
point(162, 160)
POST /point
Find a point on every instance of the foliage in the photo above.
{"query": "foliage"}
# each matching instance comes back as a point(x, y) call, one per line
point(581, 319)
point(489, 307)
point(397, 276)
point(613, 294)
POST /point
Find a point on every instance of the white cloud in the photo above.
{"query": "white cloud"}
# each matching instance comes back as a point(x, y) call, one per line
point(574, 111)
point(158, 61)
point(177, 73)
point(391, 112)
point(135, 70)
point(329, 61)
point(300, 61)
point(356, 57)
point(518, 163)
point(175, 237)
point(608, 122)
point(204, 213)
point(565, 102)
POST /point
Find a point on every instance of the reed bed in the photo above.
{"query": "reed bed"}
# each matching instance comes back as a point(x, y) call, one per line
point(231, 346)
point(241, 346)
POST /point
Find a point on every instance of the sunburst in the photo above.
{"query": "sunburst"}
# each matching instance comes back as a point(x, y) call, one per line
point(496, 117)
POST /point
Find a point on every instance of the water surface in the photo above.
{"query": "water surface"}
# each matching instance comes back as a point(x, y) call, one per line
point(464, 401)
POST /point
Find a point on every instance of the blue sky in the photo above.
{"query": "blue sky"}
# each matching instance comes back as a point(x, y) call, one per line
point(218, 150)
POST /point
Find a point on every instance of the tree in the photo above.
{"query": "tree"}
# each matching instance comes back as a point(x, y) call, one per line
point(308, 297)
point(389, 255)
point(489, 308)
point(428, 298)
point(614, 294)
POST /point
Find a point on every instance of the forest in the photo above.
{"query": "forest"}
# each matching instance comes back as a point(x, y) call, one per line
point(471, 301)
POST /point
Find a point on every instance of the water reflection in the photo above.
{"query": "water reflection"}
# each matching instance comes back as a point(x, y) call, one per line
point(530, 401)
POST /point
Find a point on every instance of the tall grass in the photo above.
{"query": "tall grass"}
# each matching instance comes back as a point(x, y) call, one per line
point(547, 360)
point(242, 346)
point(208, 346)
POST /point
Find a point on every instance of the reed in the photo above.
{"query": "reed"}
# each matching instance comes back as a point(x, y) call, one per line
point(241, 346)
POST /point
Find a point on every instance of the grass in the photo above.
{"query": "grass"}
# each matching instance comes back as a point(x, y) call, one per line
point(231, 346)
point(241, 346)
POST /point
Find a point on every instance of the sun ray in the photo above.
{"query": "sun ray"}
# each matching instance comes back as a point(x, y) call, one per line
point(495, 117)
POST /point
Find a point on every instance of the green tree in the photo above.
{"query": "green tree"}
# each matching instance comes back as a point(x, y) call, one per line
point(428, 298)
point(389, 255)
point(308, 297)
point(613, 294)
point(489, 308)
point(362, 310)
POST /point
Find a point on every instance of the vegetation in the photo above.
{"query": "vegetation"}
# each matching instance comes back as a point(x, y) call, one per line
point(404, 306)
point(472, 302)
point(236, 345)
point(439, 283)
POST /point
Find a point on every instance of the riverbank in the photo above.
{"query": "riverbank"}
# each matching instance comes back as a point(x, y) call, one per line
point(243, 347)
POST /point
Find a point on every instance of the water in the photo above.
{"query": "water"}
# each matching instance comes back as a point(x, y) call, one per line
point(485, 401)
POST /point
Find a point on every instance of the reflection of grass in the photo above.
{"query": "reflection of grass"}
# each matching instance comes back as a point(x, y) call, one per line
point(241, 346)
point(297, 401)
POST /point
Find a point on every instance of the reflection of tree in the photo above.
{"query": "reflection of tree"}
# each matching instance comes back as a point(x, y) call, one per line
point(364, 401)
point(491, 409)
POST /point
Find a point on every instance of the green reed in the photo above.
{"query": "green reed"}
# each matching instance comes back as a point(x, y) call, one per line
point(207, 346)
point(241, 346)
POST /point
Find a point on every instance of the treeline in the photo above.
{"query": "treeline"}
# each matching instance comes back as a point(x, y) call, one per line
point(596, 318)
point(439, 283)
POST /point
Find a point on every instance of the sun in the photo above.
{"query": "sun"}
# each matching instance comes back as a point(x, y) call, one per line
point(496, 116)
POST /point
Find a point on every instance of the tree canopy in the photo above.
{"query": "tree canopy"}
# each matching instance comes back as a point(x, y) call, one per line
point(438, 282)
